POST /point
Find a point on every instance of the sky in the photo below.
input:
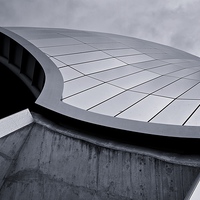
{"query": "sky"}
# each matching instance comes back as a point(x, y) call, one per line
point(174, 23)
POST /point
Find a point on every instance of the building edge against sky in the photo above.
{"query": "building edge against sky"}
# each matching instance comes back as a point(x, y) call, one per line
point(67, 148)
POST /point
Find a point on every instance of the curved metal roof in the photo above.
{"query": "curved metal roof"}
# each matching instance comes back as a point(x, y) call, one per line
point(116, 81)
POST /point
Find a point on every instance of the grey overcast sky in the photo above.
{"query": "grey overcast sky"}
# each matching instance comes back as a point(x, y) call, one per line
point(172, 22)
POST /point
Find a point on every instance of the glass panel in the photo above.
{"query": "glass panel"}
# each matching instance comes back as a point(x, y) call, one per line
point(61, 50)
point(175, 60)
point(55, 42)
point(78, 85)
point(134, 79)
point(57, 63)
point(115, 73)
point(92, 97)
point(39, 35)
point(109, 46)
point(177, 88)
point(68, 73)
point(122, 52)
point(133, 42)
point(195, 76)
point(184, 72)
point(82, 57)
point(177, 112)
point(118, 103)
point(166, 69)
point(135, 59)
point(137, 45)
point(150, 50)
point(150, 64)
point(145, 109)
point(100, 65)
point(77, 33)
point(194, 120)
point(160, 55)
point(190, 63)
point(154, 84)
point(96, 39)
point(193, 93)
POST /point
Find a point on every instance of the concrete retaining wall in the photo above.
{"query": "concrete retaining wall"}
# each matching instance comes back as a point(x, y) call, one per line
point(38, 162)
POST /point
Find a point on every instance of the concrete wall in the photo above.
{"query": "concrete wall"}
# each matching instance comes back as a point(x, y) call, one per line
point(42, 162)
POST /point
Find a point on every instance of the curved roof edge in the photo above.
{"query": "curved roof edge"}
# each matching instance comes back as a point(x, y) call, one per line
point(50, 98)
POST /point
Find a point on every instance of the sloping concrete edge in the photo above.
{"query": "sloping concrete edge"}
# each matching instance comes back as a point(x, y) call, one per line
point(14, 122)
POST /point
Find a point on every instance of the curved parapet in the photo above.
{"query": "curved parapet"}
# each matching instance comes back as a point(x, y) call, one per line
point(105, 80)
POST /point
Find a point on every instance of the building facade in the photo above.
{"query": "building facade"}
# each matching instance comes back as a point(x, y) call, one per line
point(89, 115)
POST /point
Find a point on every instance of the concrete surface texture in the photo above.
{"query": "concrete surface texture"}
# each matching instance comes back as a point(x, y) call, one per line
point(44, 161)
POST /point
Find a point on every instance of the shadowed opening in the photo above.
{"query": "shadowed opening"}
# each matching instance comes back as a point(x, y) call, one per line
point(15, 95)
